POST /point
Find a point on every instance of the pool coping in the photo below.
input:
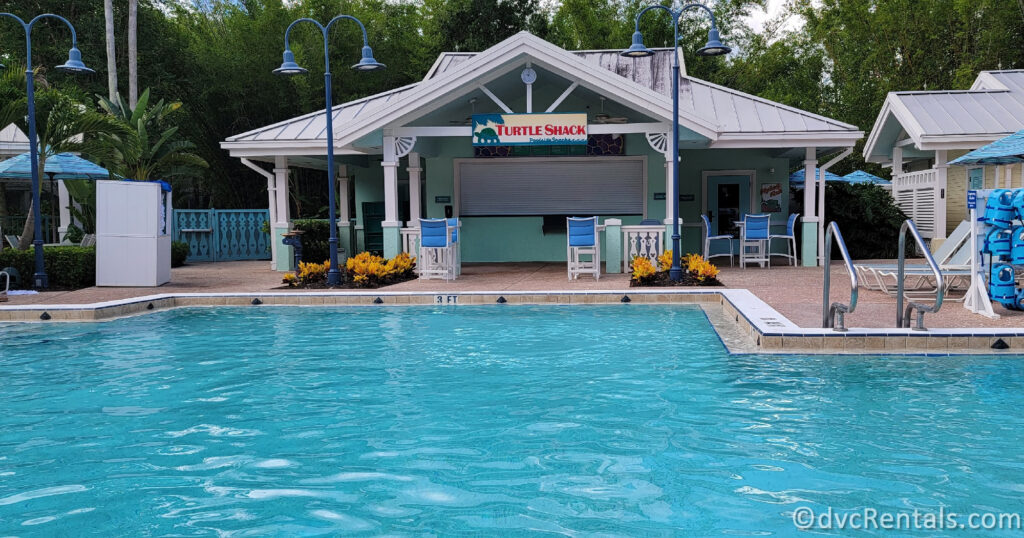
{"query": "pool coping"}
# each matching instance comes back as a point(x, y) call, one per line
point(768, 330)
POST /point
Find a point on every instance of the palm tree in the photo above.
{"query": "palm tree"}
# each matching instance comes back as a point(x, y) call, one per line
point(108, 17)
point(149, 148)
point(64, 125)
point(133, 52)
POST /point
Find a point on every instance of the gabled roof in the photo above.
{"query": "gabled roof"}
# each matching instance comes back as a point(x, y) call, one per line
point(731, 110)
point(725, 117)
point(12, 141)
point(950, 119)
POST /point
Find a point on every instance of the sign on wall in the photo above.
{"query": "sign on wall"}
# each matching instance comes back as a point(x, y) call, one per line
point(529, 129)
point(771, 197)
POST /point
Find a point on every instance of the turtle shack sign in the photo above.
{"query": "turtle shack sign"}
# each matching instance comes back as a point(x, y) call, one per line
point(529, 129)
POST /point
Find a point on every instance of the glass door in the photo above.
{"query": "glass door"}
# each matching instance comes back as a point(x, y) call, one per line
point(728, 202)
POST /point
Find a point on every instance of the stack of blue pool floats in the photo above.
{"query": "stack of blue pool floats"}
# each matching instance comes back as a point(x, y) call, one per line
point(1005, 243)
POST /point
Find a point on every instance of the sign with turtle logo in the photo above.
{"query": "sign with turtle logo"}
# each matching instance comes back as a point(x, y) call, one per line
point(529, 129)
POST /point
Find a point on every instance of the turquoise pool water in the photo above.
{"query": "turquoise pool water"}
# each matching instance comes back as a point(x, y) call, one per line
point(626, 420)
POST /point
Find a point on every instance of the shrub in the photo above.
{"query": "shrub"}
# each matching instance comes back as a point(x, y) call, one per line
point(866, 214)
point(371, 271)
point(315, 239)
point(66, 266)
point(696, 271)
point(179, 253)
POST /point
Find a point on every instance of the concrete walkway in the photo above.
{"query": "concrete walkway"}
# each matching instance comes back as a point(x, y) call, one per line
point(793, 291)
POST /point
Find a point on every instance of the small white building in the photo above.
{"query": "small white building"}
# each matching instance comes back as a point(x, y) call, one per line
point(918, 132)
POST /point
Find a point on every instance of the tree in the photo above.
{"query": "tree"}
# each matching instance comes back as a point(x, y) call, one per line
point(149, 147)
point(108, 17)
point(63, 125)
point(133, 52)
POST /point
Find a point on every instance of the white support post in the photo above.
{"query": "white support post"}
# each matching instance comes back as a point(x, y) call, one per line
point(343, 202)
point(415, 171)
point(281, 216)
point(64, 199)
point(392, 226)
point(941, 194)
point(809, 246)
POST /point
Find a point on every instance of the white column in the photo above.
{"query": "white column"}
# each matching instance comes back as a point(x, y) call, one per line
point(64, 199)
point(343, 186)
point(391, 225)
point(810, 165)
point(415, 171)
point(941, 192)
point(281, 190)
point(670, 189)
point(809, 240)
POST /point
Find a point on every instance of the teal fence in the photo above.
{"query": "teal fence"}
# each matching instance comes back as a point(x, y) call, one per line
point(223, 234)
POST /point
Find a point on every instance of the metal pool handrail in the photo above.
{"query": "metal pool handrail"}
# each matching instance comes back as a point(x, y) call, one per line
point(829, 313)
point(903, 318)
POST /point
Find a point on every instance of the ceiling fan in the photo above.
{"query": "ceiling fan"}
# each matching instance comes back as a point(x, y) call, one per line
point(603, 118)
point(469, 119)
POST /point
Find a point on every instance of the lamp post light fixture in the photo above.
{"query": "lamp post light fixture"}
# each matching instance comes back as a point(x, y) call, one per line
point(714, 47)
point(289, 67)
point(73, 65)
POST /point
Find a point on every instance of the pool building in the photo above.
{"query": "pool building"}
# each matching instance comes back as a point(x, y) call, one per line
point(513, 139)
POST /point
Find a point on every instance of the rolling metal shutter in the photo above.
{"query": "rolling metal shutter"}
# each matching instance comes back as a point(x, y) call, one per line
point(566, 186)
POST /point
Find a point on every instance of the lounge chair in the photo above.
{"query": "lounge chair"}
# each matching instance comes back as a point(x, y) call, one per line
point(870, 273)
point(582, 241)
point(708, 238)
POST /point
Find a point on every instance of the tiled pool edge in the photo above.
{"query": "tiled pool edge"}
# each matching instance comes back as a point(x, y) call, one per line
point(767, 330)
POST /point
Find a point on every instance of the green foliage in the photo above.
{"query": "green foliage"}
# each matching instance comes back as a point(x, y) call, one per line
point(179, 253)
point(315, 245)
point(868, 218)
point(83, 192)
point(150, 147)
point(68, 267)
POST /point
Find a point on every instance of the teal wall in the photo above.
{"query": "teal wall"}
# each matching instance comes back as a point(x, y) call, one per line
point(502, 239)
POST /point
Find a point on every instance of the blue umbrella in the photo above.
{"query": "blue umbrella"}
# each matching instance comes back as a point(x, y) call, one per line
point(861, 176)
point(1007, 150)
point(61, 166)
point(796, 179)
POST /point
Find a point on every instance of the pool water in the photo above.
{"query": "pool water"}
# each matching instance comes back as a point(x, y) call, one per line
point(618, 419)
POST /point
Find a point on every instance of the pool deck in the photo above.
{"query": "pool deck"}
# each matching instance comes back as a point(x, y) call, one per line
point(790, 295)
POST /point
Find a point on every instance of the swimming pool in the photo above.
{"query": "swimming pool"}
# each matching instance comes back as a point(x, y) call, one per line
point(626, 419)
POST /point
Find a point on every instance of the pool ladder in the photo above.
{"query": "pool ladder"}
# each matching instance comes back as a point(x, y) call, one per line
point(832, 315)
point(903, 317)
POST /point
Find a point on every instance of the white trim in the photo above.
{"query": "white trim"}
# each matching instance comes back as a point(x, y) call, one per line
point(456, 180)
point(501, 104)
point(504, 58)
point(562, 97)
point(705, 174)
point(822, 139)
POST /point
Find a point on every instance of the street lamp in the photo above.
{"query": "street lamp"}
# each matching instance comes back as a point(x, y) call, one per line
point(289, 67)
point(714, 47)
point(73, 65)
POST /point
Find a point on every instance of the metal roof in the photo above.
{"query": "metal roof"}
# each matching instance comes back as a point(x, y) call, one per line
point(950, 119)
point(313, 126)
point(12, 141)
point(724, 111)
point(733, 111)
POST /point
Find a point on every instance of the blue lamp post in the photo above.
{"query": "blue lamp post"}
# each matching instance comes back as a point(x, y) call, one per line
point(714, 47)
point(73, 65)
point(289, 67)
